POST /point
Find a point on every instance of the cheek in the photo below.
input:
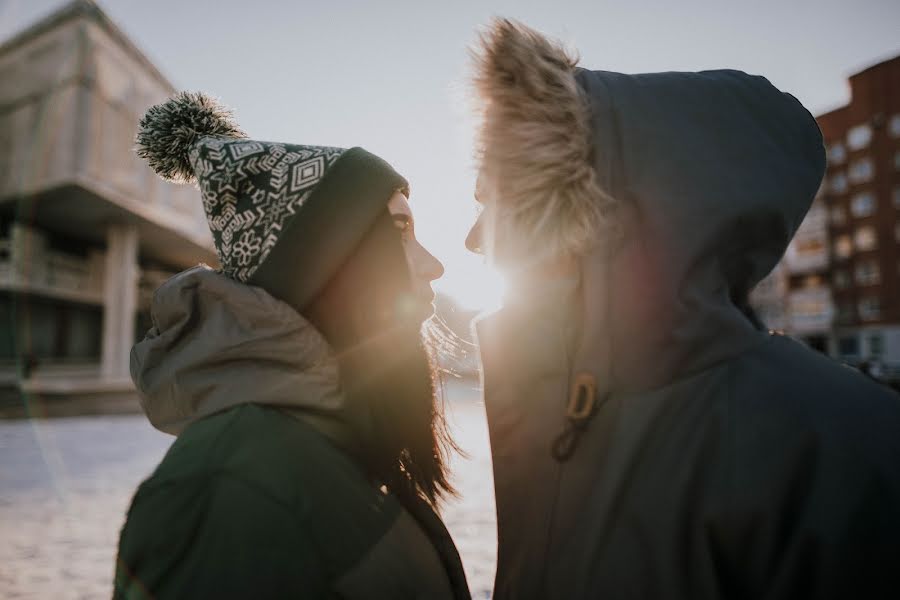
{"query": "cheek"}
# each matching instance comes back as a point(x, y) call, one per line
point(414, 259)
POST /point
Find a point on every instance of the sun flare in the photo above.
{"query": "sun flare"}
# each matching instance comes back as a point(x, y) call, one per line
point(473, 285)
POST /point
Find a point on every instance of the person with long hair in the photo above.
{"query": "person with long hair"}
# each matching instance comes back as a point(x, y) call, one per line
point(311, 450)
point(650, 438)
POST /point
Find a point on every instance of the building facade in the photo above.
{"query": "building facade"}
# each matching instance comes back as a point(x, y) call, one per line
point(863, 195)
point(87, 230)
point(843, 267)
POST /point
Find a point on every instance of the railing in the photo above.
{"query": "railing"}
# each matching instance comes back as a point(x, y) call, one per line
point(28, 266)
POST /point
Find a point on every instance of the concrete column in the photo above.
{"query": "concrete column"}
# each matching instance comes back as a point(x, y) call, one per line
point(120, 291)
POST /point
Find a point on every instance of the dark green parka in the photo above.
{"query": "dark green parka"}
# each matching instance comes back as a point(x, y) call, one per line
point(258, 497)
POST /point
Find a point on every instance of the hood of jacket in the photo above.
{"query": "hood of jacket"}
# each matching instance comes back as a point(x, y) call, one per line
point(678, 191)
point(216, 343)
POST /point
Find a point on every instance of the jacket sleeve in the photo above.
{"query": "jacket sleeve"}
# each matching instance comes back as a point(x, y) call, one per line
point(215, 537)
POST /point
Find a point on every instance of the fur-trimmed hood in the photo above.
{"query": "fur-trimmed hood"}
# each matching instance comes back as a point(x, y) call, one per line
point(701, 179)
point(714, 459)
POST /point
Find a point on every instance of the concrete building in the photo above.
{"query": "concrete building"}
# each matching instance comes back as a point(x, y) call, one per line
point(87, 230)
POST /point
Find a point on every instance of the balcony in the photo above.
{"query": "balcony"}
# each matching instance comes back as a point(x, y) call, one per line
point(810, 311)
point(28, 266)
point(808, 252)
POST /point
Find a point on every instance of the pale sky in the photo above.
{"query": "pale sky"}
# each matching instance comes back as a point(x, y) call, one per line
point(391, 76)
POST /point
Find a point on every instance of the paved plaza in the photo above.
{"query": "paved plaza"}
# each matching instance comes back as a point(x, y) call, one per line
point(65, 485)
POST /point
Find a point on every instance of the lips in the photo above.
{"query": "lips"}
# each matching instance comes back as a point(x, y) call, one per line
point(425, 303)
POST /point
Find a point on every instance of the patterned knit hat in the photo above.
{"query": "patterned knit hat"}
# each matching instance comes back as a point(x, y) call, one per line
point(283, 216)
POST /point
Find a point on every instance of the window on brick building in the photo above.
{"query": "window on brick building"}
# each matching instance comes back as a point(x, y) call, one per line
point(861, 170)
point(837, 153)
point(812, 281)
point(841, 279)
point(810, 247)
point(859, 136)
point(846, 313)
point(869, 308)
point(862, 204)
point(894, 125)
point(848, 346)
point(876, 344)
point(838, 182)
point(838, 215)
point(865, 238)
point(868, 273)
point(896, 196)
point(843, 246)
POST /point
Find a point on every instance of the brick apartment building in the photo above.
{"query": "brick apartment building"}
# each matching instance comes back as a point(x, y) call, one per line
point(863, 198)
point(838, 287)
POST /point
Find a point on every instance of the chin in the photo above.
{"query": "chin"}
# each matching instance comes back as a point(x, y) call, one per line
point(424, 312)
point(420, 307)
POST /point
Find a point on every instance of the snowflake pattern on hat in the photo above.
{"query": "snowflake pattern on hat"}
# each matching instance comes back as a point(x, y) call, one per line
point(250, 191)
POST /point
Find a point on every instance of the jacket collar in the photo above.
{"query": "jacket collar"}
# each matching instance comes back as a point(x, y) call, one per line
point(217, 343)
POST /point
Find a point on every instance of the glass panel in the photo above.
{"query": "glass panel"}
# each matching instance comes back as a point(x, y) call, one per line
point(869, 308)
point(861, 170)
point(862, 204)
point(868, 273)
point(894, 125)
point(876, 344)
point(843, 246)
point(837, 154)
point(859, 137)
point(865, 238)
point(848, 346)
point(841, 279)
point(838, 182)
point(838, 215)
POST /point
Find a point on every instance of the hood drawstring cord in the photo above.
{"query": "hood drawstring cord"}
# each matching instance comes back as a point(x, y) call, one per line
point(582, 407)
point(595, 354)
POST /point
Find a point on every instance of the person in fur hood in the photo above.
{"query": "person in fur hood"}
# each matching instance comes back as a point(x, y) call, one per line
point(311, 452)
point(649, 438)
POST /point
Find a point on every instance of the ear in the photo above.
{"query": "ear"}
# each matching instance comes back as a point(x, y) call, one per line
point(535, 141)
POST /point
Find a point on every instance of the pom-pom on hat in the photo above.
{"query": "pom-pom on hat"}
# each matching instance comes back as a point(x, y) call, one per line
point(283, 216)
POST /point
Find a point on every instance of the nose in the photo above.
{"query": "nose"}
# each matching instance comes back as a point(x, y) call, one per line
point(429, 267)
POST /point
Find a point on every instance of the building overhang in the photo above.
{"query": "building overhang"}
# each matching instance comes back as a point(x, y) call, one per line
point(80, 211)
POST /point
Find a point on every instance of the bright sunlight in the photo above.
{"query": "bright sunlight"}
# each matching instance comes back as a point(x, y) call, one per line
point(472, 283)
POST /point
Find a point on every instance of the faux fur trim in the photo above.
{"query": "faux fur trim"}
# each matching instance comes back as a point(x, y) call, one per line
point(535, 142)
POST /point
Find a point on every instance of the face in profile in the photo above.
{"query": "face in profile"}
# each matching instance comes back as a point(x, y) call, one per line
point(423, 266)
point(371, 313)
point(474, 240)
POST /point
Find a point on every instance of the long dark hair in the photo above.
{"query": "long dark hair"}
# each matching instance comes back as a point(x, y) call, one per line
point(368, 315)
